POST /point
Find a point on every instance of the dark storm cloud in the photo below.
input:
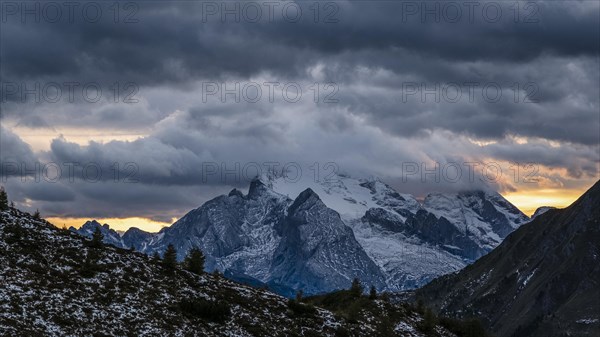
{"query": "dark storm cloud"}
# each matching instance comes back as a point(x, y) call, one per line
point(371, 52)
point(172, 43)
point(14, 154)
point(108, 199)
point(41, 191)
point(557, 99)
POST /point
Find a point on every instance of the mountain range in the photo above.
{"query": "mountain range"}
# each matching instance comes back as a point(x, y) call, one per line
point(541, 280)
point(316, 236)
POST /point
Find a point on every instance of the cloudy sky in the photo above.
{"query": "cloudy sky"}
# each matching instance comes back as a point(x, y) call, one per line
point(137, 113)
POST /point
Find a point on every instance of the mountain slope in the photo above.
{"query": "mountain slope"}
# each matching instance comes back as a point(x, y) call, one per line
point(56, 283)
point(412, 243)
point(541, 210)
point(543, 280)
point(266, 238)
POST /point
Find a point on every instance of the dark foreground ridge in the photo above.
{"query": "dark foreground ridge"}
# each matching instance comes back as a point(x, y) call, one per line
point(543, 280)
point(58, 283)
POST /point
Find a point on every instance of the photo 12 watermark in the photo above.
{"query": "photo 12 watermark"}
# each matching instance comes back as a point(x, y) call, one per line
point(470, 12)
point(270, 92)
point(54, 172)
point(471, 172)
point(237, 172)
point(454, 92)
point(326, 12)
point(68, 92)
point(71, 12)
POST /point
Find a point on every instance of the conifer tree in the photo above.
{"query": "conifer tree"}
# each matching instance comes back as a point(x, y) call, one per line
point(299, 296)
point(169, 260)
point(97, 238)
point(356, 288)
point(37, 215)
point(373, 293)
point(3, 200)
point(194, 261)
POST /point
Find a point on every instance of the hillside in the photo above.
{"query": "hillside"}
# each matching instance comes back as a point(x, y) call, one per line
point(543, 280)
point(58, 283)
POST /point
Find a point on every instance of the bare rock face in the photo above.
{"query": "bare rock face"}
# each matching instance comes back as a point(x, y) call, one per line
point(318, 252)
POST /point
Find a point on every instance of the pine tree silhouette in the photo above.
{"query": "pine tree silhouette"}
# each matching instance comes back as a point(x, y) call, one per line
point(97, 238)
point(356, 288)
point(373, 293)
point(3, 200)
point(169, 260)
point(194, 261)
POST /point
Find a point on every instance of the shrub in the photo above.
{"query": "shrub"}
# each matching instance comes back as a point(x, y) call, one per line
point(16, 233)
point(427, 325)
point(204, 309)
point(341, 332)
point(353, 312)
point(88, 268)
point(385, 328)
point(301, 309)
point(467, 328)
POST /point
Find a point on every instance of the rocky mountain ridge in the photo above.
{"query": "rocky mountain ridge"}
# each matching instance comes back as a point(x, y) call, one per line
point(354, 228)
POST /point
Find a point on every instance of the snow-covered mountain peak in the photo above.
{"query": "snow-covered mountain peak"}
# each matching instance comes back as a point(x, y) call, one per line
point(261, 187)
point(307, 196)
point(110, 235)
point(483, 214)
point(92, 224)
point(350, 197)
